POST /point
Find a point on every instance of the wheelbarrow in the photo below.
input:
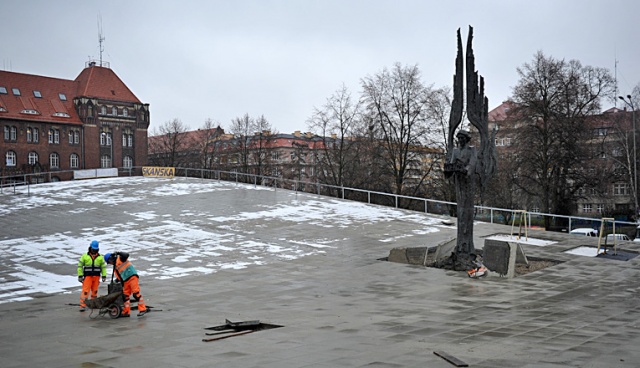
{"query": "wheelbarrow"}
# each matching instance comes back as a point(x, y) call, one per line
point(111, 304)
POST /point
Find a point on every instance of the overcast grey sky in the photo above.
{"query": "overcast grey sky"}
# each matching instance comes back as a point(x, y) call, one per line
point(194, 60)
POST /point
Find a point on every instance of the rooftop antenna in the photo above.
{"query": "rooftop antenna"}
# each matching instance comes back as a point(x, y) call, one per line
point(615, 77)
point(100, 36)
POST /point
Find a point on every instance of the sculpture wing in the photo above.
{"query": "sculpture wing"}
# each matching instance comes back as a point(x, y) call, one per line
point(455, 116)
point(478, 115)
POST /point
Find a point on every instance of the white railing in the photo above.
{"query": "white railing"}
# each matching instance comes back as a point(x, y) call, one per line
point(432, 206)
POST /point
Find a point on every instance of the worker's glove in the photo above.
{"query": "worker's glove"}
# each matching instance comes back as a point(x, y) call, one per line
point(104, 278)
point(81, 279)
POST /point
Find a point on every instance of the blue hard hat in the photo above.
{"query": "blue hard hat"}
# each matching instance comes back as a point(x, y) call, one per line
point(106, 257)
point(95, 245)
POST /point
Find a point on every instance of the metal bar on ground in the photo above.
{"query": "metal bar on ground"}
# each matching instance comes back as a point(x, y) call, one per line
point(451, 359)
point(227, 336)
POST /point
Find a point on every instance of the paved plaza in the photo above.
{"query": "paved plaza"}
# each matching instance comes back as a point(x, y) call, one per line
point(317, 273)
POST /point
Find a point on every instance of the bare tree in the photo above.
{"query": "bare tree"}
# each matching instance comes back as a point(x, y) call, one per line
point(242, 130)
point(204, 142)
point(616, 144)
point(260, 148)
point(168, 144)
point(336, 123)
point(554, 97)
point(397, 103)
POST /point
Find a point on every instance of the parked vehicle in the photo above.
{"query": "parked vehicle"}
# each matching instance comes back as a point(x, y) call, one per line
point(618, 237)
point(584, 231)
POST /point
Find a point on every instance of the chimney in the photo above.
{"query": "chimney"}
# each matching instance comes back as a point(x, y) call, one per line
point(308, 134)
point(296, 133)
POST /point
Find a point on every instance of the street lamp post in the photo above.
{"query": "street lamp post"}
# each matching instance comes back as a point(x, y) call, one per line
point(635, 157)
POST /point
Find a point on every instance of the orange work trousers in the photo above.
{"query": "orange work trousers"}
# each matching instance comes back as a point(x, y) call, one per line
point(89, 286)
point(131, 287)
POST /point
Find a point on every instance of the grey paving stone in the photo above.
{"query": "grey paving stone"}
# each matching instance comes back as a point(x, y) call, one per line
point(344, 308)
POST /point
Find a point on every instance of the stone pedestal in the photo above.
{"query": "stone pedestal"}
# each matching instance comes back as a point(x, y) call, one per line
point(501, 257)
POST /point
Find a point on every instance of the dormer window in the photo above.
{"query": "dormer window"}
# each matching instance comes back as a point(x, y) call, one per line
point(62, 96)
point(37, 94)
point(29, 111)
point(3, 90)
point(61, 115)
point(16, 92)
point(2, 109)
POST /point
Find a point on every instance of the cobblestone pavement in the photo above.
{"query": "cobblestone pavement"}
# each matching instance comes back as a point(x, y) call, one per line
point(341, 307)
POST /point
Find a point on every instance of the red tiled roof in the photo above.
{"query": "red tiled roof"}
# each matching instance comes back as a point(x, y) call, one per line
point(49, 88)
point(93, 82)
point(500, 112)
point(103, 83)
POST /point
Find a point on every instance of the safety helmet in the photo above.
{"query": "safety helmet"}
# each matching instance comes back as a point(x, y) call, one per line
point(95, 245)
point(106, 257)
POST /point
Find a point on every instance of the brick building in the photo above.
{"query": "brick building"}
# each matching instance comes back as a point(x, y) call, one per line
point(58, 125)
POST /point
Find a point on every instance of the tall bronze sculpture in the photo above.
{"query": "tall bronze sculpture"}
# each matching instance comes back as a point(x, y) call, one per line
point(469, 168)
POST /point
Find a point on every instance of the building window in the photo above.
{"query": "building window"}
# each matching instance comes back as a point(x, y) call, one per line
point(74, 137)
point(600, 208)
point(16, 92)
point(54, 136)
point(127, 162)
point(586, 208)
point(62, 96)
point(114, 111)
point(105, 161)
point(105, 139)
point(32, 135)
point(103, 110)
point(37, 94)
point(10, 158)
point(3, 90)
point(620, 189)
point(54, 161)
point(74, 160)
point(33, 158)
point(125, 112)
point(502, 142)
point(127, 138)
point(10, 133)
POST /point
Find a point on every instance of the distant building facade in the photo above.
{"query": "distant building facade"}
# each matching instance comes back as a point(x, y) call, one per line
point(610, 164)
point(58, 125)
point(290, 156)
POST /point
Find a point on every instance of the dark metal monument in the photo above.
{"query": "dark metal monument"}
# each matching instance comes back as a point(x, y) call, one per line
point(469, 168)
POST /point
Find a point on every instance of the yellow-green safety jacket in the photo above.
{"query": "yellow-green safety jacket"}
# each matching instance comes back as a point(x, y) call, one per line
point(92, 266)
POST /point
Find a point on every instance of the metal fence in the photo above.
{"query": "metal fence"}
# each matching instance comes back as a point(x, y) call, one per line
point(21, 185)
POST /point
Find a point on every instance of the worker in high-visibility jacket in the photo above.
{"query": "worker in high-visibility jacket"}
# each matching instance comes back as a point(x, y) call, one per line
point(127, 274)
point(90, 267)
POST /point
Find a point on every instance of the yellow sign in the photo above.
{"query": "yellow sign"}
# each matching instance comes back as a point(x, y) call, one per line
point(158, 172)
